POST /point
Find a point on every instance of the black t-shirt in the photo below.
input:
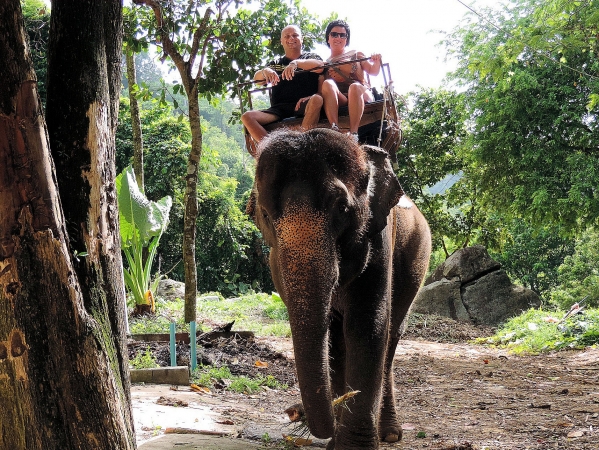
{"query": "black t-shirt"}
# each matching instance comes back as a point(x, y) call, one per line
point(302, 85)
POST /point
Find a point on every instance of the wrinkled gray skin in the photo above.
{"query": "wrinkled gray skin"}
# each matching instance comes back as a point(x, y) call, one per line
point(347, 261)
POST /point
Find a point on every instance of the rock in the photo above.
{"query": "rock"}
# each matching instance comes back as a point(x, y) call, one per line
point(470, 286)
point(442, 298)
point(170, 289)
point(493, 299)
point(465, 265)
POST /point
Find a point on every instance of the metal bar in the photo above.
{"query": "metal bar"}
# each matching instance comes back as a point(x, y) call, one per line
point(173, 345)
point(192, 341)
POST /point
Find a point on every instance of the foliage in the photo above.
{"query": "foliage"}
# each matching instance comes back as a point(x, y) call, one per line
point(207, 376)
point(530, 84)
point(144, 360)
point(166, 145)
point(531, 255)
point(36, 16)
point(578, 276)
point(537, 331)
point(230, 254)
point(435, 169)
point(142, 223)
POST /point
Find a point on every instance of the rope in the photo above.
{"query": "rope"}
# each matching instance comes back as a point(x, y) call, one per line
point(325, 66)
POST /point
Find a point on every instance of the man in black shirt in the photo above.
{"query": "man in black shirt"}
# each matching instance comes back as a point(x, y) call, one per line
point(293, 93)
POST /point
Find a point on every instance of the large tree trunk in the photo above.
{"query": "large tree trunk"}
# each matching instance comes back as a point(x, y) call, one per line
point(63, 367)
point(138, 147)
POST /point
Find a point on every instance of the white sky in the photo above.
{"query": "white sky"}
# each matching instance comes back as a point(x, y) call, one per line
point(403, 32)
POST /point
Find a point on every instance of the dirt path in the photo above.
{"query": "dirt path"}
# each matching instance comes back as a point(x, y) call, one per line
point(450, 396)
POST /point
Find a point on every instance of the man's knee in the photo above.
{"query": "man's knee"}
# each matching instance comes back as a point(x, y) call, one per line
point(246, 118)
point(314, 102)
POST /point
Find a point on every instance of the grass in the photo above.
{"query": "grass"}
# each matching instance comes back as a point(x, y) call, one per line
point(536, 331)
point(264, 314)
point(208, 376)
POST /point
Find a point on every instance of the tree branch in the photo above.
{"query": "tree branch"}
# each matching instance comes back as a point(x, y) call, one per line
point(168, 45)
point(203, 30)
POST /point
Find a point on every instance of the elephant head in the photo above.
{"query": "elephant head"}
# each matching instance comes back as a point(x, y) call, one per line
point(319, 200)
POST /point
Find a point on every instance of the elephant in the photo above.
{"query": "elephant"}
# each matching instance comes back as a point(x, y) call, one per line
point(348, 253)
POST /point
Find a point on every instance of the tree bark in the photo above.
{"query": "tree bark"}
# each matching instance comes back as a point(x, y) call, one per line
point(138, 147)
point(191, 202)
point(64, 381)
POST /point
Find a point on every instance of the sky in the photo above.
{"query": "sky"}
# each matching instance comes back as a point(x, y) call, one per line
point(403, 32)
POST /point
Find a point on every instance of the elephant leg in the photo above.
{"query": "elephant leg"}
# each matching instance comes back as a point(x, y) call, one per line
point(407, 277)
point(389, 425)
point(366, 334)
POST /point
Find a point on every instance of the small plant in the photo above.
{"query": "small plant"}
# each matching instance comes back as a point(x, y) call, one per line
point(144, 360)
point(209, 376)
point(142, 223)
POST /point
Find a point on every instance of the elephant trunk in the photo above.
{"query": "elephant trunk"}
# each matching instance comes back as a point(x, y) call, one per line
point(307, 275)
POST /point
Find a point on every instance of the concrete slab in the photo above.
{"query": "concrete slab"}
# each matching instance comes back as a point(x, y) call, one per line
point(205, 422)
point(178, 375)
point(198, 441)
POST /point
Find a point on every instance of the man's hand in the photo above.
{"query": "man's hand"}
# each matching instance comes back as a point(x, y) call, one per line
point(300, 101)
point(270, 76)
point(289, 71)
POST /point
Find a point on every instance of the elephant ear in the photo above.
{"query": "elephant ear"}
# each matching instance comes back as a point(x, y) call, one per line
point(384, 189)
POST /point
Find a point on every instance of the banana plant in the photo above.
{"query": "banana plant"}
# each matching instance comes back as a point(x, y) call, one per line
point(142, 223)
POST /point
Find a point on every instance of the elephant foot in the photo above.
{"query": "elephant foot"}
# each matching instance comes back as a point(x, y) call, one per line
point(392, 437)
point(391, 434)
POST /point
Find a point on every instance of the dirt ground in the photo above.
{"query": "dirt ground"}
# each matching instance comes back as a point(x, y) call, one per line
point(450, 394)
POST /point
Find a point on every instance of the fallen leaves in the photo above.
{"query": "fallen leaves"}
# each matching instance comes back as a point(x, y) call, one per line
point(200, 389)
point(297, 441)
point(167, 401)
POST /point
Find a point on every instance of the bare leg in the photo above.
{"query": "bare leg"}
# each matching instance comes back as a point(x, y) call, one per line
point(356, 106)
point(312, 114)
point(254, 121)
point(332, 100)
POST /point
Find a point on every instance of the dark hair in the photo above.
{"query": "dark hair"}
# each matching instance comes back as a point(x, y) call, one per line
point(333, 24)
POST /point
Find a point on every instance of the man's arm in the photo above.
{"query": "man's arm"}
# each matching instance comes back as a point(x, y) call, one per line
point(266, 76)
point(303, 64)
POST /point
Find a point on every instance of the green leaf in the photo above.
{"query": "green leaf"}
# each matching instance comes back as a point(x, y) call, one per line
point(140, 219)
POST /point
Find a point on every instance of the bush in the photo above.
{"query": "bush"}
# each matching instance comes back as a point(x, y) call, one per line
point(537, 331)
point(578, 276)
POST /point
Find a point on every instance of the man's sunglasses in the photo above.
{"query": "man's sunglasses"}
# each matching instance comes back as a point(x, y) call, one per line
point(338, 35)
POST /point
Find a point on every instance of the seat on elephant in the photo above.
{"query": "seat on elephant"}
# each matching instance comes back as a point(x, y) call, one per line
point(379, 125)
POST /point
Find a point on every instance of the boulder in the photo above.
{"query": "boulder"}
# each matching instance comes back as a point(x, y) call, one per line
point(470, 286)
point(170, 290)
point(442, 298)
point(492, 299)
point(465, 265)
